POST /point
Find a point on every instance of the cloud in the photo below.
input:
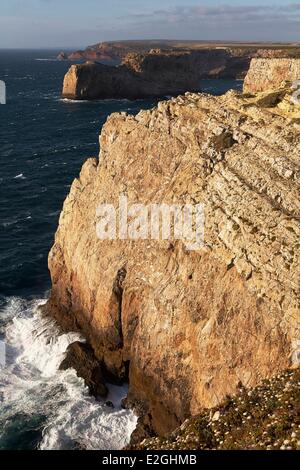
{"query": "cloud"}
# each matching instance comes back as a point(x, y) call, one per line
point(291, 7)
point(224, 22)
point(221, 22)
point(218, 14)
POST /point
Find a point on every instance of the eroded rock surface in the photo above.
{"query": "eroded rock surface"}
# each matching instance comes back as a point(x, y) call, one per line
point(189, 326)
point(269, 74)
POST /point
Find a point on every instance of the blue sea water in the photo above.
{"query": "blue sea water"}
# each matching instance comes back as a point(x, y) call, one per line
point(43, 142)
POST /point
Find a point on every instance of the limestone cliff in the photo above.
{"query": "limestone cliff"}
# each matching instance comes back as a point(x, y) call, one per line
point(269, 74)
point(189, 326)
point(98, 81)
point(156, 73)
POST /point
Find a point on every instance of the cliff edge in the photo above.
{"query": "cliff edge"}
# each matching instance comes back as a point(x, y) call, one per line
point(270, 73)
point(188, 327)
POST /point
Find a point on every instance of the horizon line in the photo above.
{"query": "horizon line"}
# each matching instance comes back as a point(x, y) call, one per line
point(204, 41)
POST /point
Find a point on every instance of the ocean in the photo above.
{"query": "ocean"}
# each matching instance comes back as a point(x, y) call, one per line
point(44, 141)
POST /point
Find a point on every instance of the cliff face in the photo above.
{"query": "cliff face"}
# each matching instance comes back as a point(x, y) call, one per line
point(156, 73)
point(188, 326)
point(206, 63)
point(98, 81)
point(269, 74)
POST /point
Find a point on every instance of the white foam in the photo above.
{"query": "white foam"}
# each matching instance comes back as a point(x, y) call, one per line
point(69, 100)
point(93, 101)
point(32, 384)
point(20, 176)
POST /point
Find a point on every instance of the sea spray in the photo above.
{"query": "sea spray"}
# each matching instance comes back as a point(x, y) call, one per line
point(43, 407)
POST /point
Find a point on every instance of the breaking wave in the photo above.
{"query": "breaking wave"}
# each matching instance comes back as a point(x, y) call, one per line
point(41, 406)
point(47, 60)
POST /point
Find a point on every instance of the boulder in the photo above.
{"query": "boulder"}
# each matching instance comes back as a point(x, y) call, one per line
point(81, 357)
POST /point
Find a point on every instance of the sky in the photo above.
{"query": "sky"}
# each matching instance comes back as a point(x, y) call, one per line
point(73, 24)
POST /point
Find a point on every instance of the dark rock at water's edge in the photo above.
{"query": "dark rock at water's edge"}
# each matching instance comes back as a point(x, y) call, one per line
point(62, 56)
point(110, 404)
point(81, 357)
point(144, 428)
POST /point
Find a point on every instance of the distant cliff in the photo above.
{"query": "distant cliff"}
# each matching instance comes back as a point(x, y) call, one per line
point(271, 73)
point(117, 50)
point(188, 327)
point(156, 73)
point(97, 81)
point(103, 52)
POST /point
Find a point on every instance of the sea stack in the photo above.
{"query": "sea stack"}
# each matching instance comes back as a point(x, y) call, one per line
point(62, 56)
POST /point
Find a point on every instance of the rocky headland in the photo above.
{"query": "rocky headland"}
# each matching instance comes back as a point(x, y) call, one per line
point(154, 74)
point(116, 51)
point(187, 328)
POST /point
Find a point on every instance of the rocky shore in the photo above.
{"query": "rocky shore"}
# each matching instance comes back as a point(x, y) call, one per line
point(187, 328)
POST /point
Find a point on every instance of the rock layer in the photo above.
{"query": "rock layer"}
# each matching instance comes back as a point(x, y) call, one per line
point(270, 74)
point(188, 326)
